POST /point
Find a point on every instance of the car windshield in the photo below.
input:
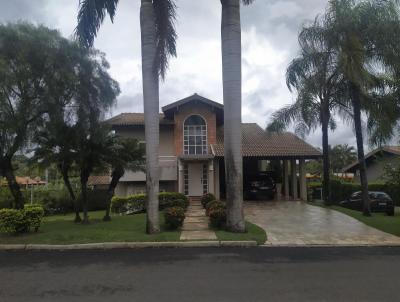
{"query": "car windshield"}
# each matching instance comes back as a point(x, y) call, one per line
point(378, 195)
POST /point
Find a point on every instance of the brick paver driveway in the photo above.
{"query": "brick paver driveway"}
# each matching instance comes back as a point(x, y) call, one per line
point(298, 223)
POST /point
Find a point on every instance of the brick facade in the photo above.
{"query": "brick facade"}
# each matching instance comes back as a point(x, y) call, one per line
point(187, 110)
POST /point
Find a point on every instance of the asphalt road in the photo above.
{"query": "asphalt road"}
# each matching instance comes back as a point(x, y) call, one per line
point(203, 274)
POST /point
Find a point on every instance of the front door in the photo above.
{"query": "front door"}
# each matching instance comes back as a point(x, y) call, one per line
point(195, 179)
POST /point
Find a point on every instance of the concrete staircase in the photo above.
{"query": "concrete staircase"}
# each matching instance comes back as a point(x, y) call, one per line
point(195, 226)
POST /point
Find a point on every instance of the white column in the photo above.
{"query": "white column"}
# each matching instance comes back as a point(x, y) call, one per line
point(286, 178)
point(303, 181)
point(293, 168)
point(181, 180)
point(211, 177)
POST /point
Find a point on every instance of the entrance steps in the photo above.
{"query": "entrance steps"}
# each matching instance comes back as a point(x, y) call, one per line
point(195, 226)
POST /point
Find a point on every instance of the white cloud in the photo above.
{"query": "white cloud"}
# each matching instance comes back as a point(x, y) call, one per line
point(269, 43)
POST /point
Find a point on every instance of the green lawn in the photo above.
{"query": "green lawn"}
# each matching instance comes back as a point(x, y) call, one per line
point(380, 221)
point(61, 230)
point(254, 232)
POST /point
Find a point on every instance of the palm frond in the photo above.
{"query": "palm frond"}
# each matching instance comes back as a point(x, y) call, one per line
point(90, 17)
point(165, 18)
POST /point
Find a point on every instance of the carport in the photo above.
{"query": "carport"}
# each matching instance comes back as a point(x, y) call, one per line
point(283, 155)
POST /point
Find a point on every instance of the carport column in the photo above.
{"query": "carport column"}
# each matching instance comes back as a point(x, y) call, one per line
point(293, 169)
point(286, 178)
point(216, 179)
point(303, 181)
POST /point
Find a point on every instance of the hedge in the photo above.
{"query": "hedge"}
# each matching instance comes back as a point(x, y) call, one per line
point(342, 190)
point(56, 200)
point(136, 203)
point(14, 221)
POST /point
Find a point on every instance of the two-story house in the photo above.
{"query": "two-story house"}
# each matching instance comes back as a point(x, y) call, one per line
point(192, 150)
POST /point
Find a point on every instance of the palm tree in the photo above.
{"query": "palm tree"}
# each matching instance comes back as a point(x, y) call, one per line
point(232, 89)
point(364, 36)
point(158, 36)
point(121, 154)
point(319, 87)
point(341, 156)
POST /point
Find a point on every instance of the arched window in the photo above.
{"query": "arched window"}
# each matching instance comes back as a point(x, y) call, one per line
point(195, 135)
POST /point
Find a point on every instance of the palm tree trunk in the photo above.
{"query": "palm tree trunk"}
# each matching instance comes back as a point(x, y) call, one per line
point(8, 172)
point(325, 116)
point(67, 183)
point(360, 149)
point(151, 113)
point(116, 176)
point(232, 88)
point(84, 179)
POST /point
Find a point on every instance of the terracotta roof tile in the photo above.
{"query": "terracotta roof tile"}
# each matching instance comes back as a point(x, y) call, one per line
point(133, 119)
point(258, 143)
point(99, 180)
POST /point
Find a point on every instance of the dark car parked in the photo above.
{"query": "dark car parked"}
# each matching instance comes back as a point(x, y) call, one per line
point(379, 201)
point(260, 187)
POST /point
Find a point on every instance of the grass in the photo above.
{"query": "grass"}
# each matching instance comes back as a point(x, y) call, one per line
point(380, 221)
point(60, 229)
point(254, 232)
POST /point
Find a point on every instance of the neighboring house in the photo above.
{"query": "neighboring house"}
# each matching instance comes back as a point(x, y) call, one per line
point(99, 182)
point(25, 181)
point(192, 150)
point(376, 162)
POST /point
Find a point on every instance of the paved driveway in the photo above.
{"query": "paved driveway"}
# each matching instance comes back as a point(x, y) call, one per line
point(298, 223)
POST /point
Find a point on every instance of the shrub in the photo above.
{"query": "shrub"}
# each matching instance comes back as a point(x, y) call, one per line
point(182, 203)
point(14, 221)
point(167, 199)
point(34, 213)
point(215, 204)
point(217, 217)
point(207, 198)
point(136, 203)
point(128, 205)
point(6, 198)
point(174, 217)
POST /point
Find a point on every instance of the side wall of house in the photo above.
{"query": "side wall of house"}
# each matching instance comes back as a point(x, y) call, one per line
point(135, 182)
point(376, 168)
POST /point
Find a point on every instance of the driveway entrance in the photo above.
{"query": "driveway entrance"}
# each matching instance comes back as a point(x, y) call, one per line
point(298, 223)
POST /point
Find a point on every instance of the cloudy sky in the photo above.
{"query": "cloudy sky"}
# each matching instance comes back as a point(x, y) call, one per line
point(270, 29)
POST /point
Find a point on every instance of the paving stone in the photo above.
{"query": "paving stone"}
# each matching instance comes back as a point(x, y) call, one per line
point(298, 223)
point(198, 235)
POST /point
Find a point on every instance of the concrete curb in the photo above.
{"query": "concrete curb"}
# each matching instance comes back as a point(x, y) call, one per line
point(126, 245)
point(274, 245)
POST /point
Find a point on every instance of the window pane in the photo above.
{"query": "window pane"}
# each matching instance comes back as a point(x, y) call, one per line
point(192, 150)
point(199, 141)
point(199, 150)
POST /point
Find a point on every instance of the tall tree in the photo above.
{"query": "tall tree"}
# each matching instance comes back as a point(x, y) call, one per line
point(72, 135)
point(232, 89)
point(364, 35)
point(320, 93)
point(29, 67)
point(158, 36)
